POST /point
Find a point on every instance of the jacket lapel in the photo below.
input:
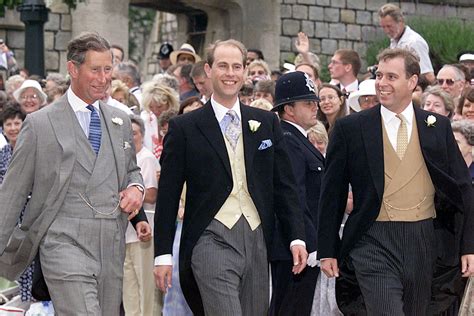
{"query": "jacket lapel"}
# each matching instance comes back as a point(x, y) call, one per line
point(61, 121)
point(426, 134)
point(302, 139)
point(115, 135)
point(251, 139)
point(371, 129)
point(210, 128)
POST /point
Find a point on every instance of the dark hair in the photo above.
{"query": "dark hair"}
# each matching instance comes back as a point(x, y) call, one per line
point(166, 117)
point(468, 94)
point(187, 102)
point(84, 42)
point(256, 51)
point(198, 69)
point(120, 48)
point(351, 57)
point(342, 110)
point(246, 90)
point(230, 42)
point(11, 113)
point(138, 120)
point(412, 62)
point(185, 73)
point(265, 86)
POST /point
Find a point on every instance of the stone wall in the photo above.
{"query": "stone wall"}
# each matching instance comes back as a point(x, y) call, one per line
point(334, 24)
point(57, 33)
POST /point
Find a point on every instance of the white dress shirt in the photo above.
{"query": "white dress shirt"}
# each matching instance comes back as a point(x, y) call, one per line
point(81, 111)
point(392, 123)
point(219, 111)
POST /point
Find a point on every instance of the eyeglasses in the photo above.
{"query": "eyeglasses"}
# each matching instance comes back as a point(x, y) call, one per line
point(449, 82)
point(329, 98)
point(336, 62)
point(30, 97)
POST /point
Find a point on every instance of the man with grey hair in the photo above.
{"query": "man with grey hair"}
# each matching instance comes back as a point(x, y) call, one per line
point(452, 80)
point(128, 73)
point(77, 161)
point(392, 22)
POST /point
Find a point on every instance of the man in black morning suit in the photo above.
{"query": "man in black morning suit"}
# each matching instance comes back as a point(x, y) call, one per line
point(234, 162)
point(389, 238)
point(296, 103)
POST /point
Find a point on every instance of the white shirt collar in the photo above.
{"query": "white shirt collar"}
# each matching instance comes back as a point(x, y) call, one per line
point(302, 130)
point(388, 115)
point(220, 110)
point(77, 104)
point(353, 86)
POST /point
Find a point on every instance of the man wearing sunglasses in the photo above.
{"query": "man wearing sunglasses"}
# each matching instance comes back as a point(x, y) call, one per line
point(452, 80)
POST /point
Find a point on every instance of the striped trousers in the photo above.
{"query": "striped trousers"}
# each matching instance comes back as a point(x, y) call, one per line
point(394, 263)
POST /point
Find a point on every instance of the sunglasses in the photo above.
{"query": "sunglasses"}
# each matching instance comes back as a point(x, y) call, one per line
point(449, 82)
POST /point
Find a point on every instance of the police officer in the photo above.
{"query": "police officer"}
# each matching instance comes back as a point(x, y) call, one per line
point(296, 104)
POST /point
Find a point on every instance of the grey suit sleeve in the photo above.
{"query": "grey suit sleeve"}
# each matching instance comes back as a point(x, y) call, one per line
point(18, 181)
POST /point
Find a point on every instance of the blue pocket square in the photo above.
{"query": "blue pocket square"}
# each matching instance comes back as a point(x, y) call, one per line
point(265, 144)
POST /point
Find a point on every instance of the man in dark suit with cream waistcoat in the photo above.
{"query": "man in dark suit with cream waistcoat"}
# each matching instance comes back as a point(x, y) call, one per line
point(401, 162)
point(233, 160)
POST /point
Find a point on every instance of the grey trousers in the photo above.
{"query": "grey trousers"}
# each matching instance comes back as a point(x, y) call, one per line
point(82, 262)
point(394, 264)
point(231, 270)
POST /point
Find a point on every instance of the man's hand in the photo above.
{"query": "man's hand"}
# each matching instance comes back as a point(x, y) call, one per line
point(143, 231)
point(131, 201)
point(300, 255)
point(467, 265)
point(329, 267)
point(163, 277)
point(302, 43)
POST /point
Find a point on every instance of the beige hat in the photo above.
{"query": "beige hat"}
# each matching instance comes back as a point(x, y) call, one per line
point(29, 84)
point(184, 49)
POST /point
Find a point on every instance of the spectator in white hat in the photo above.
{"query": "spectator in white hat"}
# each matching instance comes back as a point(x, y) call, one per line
point(364, 98)
point(30, 96)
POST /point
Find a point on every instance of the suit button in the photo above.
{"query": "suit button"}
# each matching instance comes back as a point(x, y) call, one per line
point(319, 168)
point(229, 188)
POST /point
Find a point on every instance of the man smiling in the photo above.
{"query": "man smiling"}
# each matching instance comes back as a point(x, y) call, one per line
point(389, 238)
point(234, 162)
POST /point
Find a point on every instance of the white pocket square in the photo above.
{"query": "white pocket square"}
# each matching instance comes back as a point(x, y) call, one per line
point(126, 145)
point(265, 144)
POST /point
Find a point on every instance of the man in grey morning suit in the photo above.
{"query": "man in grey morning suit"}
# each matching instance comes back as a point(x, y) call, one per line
point(76, 157)
point(233, 160)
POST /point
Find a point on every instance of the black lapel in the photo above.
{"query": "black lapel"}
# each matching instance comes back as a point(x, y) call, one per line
point(302, 139)
point(210, 128)
point(426, 134)
point(371, 128)
point(251, 139)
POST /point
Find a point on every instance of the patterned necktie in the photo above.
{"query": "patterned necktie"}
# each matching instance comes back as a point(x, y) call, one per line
point(232, 130)
point(402, 137)
point(95, 132)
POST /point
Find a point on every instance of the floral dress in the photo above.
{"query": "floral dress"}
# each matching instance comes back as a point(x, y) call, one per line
point(25, 280)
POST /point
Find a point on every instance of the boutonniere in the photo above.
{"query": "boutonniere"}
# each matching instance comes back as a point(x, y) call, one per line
point(430, 121)
point(126, 145)
point(254, 125)
point(117, 120)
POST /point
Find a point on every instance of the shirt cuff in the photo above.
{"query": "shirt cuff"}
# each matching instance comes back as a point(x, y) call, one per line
point(298, 242)
point(138, 185)
point(164, 260)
